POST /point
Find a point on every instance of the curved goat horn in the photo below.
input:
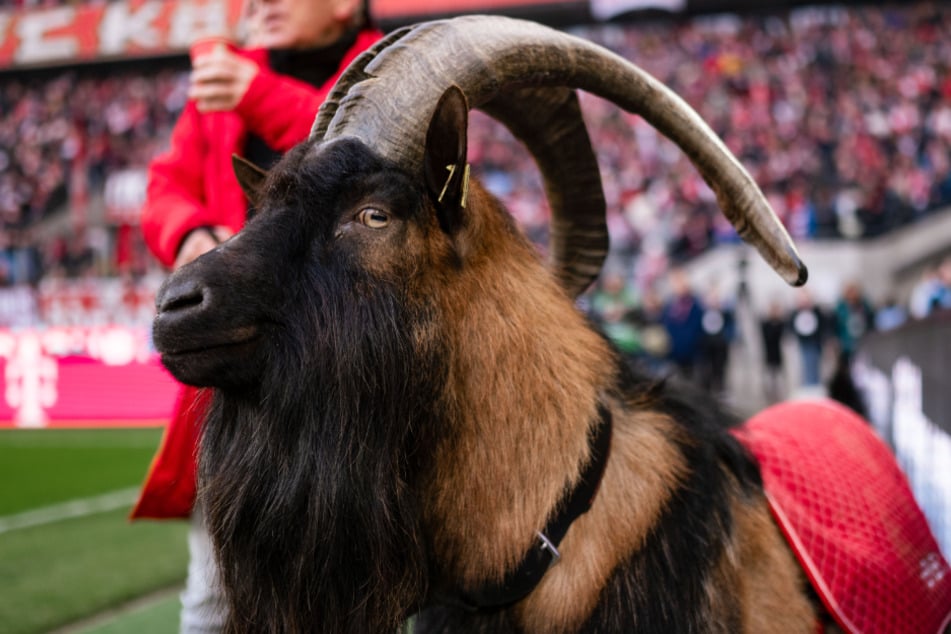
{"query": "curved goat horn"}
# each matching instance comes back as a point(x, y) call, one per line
point(392, 92)
point(549, 122)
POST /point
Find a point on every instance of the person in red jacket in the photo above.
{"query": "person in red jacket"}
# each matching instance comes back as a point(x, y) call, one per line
point(256, 102)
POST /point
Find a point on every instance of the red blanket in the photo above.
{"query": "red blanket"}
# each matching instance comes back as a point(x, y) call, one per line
point(848, 514)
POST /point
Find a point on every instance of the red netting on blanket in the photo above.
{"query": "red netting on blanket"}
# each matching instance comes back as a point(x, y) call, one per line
point(848, 513)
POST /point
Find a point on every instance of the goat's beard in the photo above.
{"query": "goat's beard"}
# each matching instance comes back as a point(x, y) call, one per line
point(308, 482)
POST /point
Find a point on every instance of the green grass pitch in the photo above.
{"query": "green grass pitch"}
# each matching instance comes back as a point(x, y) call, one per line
point(62, 571)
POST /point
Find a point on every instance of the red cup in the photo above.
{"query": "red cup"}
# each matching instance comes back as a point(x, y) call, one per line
point(205, 45)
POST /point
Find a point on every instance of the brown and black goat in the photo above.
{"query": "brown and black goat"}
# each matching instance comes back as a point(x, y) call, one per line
point(410, 414)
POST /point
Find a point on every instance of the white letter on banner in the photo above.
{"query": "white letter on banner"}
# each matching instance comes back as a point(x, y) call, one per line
point(31, 382)
point(32, 30)
point(191, 20)
point(122, 26)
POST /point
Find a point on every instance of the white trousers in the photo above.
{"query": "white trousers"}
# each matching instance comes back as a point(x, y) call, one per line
point(203, 603)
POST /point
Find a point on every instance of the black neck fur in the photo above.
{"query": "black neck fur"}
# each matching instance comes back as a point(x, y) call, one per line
point(306, 481)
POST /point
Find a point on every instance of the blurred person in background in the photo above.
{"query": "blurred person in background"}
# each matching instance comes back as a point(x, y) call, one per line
point(256, 102)
point(77, 256)
point(772, 329)
point(655, 342)
point(842, 388)
point(719, 329)
point(809, 325)
point(22, 262)
point(854, 317)
point(890, 314)
point(612, 308)
point(683, 318)
point(942, 296)
point(924, 292)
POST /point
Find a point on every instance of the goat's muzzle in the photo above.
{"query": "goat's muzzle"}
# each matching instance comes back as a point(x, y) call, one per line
point(200, 345)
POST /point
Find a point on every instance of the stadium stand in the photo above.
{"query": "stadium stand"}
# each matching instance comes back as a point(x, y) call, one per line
point(843, 115)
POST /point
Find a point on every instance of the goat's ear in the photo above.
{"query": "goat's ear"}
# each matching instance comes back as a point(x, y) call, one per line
point(250, 177)
point(447, 173)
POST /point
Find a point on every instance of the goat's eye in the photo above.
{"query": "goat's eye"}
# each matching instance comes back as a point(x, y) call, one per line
point(373, 218)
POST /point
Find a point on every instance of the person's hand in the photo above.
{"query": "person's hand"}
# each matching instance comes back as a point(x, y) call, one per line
point(199, 241)
point(220, 79)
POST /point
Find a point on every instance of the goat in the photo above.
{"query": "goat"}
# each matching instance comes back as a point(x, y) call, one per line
point(411, 416)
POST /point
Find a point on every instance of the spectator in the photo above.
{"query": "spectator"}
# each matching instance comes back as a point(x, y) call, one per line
point(842, 387)
point(890, 315)
point(257, 102)
point(924, 293)
point(942, 296)
point(612, 307)
point(20, 260)
point(683, 319)
point(719, 329)
point(808, 325)
point(772, 329)
point(854, 317)
point(78, 257)
point(654, 338)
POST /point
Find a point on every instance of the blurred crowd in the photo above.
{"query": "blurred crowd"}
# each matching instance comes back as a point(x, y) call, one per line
point(843, 115)
point(62, 141)
point(673, 328)
point(40, 4)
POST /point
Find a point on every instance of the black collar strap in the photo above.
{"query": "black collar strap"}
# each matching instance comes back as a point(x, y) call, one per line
point(521, 581)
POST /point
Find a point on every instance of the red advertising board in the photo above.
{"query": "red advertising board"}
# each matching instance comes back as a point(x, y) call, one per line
point(82, 377)
point(85, 32)
point(123, 29)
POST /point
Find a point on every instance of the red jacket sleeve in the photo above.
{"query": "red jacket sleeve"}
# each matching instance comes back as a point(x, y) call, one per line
point(278, 109)
point(175, 199)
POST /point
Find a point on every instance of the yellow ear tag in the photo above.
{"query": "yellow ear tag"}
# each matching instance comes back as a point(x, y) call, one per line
point(465, 184)
point(452, 170)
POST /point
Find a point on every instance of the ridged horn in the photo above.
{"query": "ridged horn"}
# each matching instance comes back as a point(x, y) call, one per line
point(549, 122)
point(390, 98)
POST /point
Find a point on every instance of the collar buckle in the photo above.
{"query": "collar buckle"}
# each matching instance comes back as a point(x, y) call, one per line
point(519, 582)
point(546, 544)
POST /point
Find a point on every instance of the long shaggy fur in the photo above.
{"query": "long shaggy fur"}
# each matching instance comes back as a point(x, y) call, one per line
point(311, 500)
point(308, 478)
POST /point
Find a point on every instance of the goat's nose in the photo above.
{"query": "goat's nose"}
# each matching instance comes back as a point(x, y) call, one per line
point(178, 295)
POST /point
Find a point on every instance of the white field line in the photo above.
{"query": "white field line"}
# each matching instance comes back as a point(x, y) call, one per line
point(111, 616)
point(68, 510)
